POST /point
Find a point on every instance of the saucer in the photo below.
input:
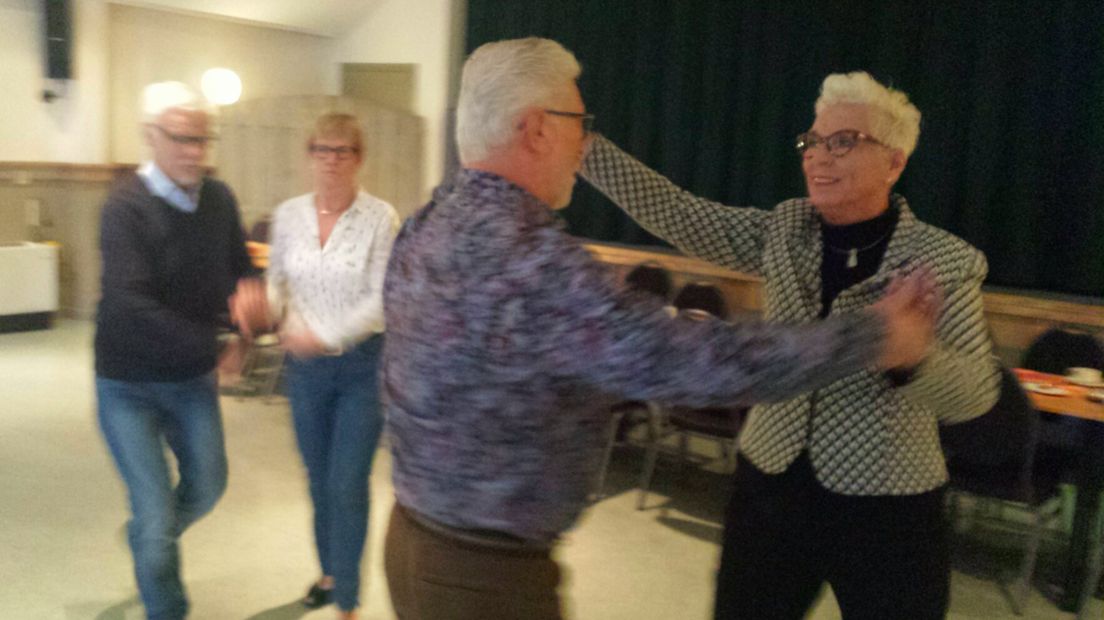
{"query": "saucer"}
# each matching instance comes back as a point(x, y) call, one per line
point(1082, 383)
point(1048, 390)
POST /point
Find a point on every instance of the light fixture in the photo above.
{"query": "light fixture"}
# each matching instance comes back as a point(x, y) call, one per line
point(221, 86)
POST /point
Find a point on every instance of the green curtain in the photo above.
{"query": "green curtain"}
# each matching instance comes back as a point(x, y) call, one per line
point(711, 93)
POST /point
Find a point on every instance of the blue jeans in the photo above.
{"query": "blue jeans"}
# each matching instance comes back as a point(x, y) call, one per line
point(335, 408)
point(138, 419)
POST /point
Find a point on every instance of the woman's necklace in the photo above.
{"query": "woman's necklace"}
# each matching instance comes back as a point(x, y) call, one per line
point(325, 211)
point(853, 253)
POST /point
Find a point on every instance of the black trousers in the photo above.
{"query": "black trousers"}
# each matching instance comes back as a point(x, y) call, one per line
point(886, 557)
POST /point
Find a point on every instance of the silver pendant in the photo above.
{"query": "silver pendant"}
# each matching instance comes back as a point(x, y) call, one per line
point(853, 258)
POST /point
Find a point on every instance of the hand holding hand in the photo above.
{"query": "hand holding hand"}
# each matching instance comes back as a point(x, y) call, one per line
point(249, 307)
point(910, 308)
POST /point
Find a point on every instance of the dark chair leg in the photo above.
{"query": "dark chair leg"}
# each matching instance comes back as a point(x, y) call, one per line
point(1021, 588)
point(655, 432)
point(1092, 577)
point(600, 484)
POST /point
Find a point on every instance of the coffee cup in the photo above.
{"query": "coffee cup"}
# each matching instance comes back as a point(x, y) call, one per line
point(1084, 375)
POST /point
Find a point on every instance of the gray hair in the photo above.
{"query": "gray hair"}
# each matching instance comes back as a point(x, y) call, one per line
point(500, 81)
point(159, 97)
point(895, 120)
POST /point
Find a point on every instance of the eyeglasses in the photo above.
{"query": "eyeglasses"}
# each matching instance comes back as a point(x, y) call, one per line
point(587, 119)
point(182, 140)
point(838, 144)
point(341, 152)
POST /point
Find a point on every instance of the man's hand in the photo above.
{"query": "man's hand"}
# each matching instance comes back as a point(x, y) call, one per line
point(910, 308)
point(249, 307)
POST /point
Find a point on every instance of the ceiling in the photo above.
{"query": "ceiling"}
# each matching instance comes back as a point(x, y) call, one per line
point(321, 17)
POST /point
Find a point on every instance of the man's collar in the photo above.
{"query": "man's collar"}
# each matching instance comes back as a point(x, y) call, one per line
point(163, 187)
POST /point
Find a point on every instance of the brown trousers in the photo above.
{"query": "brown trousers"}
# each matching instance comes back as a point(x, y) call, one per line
point(433, 576)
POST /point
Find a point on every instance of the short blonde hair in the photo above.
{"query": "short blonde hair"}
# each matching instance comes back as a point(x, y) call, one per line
point(160, 97)
point(501, 80)
point(338, 125)
point(895, 120)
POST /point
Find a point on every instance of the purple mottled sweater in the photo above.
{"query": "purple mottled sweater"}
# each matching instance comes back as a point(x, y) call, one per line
point(507, 342)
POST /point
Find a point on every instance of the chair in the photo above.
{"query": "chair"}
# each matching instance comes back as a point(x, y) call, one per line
point(1053, 352)
point(261, 367)
point(702, 297)
point(648, 278)
point(264, 366)
point(700, 301)
point(996, 457)
point(1058, 349)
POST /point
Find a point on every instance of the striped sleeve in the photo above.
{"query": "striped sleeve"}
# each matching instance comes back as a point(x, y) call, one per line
point(960, 379)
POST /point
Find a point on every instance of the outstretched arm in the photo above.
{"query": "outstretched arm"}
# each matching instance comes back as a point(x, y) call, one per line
point(728, 236)
point(597, 332)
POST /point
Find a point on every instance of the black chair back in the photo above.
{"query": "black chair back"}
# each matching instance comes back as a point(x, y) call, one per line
point(1053, 352)
point(649, 277)
point(994, 454)
point(1059, 349)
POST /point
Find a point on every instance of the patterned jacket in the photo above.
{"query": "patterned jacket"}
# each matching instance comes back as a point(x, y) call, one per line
point(507, 342)
point(865, 436)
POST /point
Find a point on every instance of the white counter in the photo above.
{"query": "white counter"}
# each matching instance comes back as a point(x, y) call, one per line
point(28, 278)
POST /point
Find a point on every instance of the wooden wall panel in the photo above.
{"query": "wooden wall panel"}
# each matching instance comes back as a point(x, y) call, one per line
point(262, 151)
point(1015, 318)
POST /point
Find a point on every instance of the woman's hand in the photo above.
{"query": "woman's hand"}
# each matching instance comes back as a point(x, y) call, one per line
point(910, 308)
point(302, 343)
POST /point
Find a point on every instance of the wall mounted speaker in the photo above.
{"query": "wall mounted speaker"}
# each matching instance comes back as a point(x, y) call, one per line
point(59, 39)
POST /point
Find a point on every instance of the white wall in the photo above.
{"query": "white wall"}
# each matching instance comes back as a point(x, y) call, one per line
point(149, 45)
point(410, 31)
point(71, 129)
point(118, 49)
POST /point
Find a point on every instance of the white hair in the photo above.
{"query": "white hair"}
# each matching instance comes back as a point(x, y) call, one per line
point(895, 120)
point(499, 82)
point(159, 97)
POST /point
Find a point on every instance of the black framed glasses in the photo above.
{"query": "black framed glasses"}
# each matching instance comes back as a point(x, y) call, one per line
point(182, 140)
point(587, 119)
point(838, 144)
point(341, 152)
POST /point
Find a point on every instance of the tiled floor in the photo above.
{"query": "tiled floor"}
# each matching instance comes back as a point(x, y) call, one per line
point(63, 556)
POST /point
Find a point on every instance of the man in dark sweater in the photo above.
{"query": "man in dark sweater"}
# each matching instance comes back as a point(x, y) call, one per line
point(173, 255)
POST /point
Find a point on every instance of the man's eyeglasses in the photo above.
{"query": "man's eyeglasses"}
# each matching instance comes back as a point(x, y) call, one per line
point(587, 119)
point(341, 152)
point(182, 140)
point(838, 144)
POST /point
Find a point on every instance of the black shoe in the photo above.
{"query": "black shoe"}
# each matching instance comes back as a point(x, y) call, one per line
point(317, 597)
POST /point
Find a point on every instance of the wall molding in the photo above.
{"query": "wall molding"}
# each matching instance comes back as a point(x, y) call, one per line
point(36, 172)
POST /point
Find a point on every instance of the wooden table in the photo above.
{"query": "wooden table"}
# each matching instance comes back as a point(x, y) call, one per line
point(1090, 475)
point(1076, 404)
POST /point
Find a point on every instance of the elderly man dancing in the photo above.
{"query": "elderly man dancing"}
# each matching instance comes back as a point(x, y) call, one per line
point(507, 342)
point(173, 252)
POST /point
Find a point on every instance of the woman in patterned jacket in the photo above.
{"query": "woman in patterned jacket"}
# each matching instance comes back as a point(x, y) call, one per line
point(843, 485)
point(329, 254)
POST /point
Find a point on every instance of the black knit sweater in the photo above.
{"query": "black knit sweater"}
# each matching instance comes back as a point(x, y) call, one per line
point(869, 239)
point(166, 277)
